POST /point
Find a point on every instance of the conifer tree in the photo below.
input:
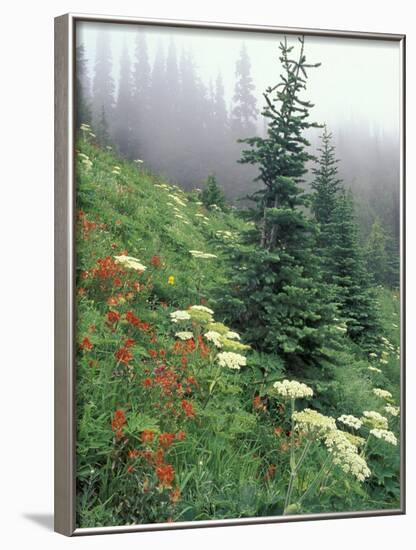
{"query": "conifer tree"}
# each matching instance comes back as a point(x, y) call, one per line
point(212, 194)
point(278, 299)
point(102, 129)
point(83, 96)
point(103, 83)
point(345, 269)
point(123, 108)
point(376, 253)
point(326, 184)
point(244, 111)
point(140, 97)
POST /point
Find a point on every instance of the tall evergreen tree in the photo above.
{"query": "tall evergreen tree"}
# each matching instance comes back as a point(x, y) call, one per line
point(326, 184)
point(345, 269)
point(244, 111)
point(103, 82)
point(123, 109)
point(140, 97)
point(278, 299)
point(376, 254)
point(212, 194)
point(102, 129)
point(83, 95)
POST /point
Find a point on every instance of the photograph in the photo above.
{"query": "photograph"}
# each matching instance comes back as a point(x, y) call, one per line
point(238, 276)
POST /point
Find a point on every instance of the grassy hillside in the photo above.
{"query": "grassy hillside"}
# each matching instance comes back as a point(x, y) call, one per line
point(170, 428)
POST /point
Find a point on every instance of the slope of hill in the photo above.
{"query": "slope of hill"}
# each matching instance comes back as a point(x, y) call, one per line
point(173, 422)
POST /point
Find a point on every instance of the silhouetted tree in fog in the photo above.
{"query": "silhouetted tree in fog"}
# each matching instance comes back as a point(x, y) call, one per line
point(244, 111)
point(103, 83)
point(124, 107)
point(83, 95)
point(140, 114)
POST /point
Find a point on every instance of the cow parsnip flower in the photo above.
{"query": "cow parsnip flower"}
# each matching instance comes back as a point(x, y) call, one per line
point(202, 308)
point(374, 369)
point(313, 422)
point(214, 337)
point(130, 262)
point(231, 360)
point(384, 394)
point(200, 316)
point(184, 335)
point(351, 421)
point(385, 435)
point(345, 454)
point(231, 335)
point(203, 255)
point(375, 419)
point(393, 411)
point(218, 327)
point(292, 389)
point(179, 315)
point(233, 345)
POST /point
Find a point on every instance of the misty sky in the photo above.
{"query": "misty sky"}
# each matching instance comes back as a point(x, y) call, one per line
point(358, 82)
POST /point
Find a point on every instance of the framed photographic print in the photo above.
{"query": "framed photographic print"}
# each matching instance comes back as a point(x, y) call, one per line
point(229, 337)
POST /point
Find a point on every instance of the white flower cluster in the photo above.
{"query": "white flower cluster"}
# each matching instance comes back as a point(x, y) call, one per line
point(184, 335)
point(214, 337)
point(231, 335)
point(384, 394)
point(351, 421)
point(130, 262)
point(374, 369)
point(345, 455)
point(231, 360)
point(393, 411)
point(293, 389)
point(386, 435)
point(311, 421)
point(203, 255)
point(376, 419)
point(179, 315)
point(202, 308)
point(177, 199)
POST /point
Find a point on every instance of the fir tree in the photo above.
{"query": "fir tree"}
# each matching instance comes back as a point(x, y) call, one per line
point(326, 184)
point(103, 83)
point(123, 108)
point(277, 297)
point(244, 111)
point(102, 129)
point(376, 253)
point(212, 194)
point(345, 269)
point(140, 97)
point(83, 105)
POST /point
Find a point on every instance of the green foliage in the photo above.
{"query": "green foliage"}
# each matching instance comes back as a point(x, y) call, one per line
point(212, 195)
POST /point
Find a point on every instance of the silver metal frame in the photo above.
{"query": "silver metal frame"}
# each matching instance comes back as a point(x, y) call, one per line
point(65, 387)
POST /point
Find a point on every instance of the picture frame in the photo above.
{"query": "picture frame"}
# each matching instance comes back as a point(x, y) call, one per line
point(65, 433)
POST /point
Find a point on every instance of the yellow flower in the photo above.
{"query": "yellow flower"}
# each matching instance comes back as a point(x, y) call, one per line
point(171, 280)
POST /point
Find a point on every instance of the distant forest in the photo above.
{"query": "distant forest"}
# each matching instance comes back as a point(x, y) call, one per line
point(182, 128)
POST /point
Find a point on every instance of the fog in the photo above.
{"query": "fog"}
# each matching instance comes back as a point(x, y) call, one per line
point(356, 93)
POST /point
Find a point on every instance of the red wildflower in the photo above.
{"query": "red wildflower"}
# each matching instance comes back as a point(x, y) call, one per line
point(258, 404)
point(147, 382)
point(175, 495)
point(147, 436)
point(165, 474)
point(113, 317)
point(271, 471)
point(152, 353)
point(117, 281)
point(81, 291)
point(203, 348)
point(124, 355)
point(112, 301)
point(129, 343)
point(156, 261)
point(133, 453)
point(159, 457)
point(166, 440)
point(86, 344)
point(188, 408)
point(180, 436)
point(119, 420)
point(278, 431)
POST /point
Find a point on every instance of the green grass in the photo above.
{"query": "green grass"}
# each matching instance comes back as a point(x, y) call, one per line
point(229, 456)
